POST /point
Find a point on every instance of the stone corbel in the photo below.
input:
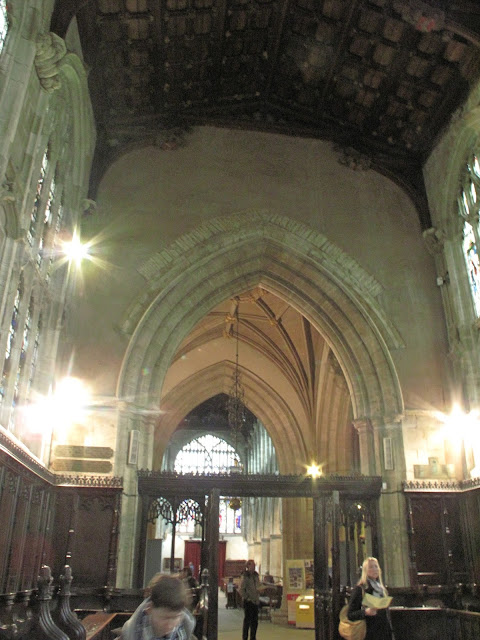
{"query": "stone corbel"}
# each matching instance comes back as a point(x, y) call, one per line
point(50, 51)
point(434, 240)
point(353, 159)
point(89, 207)
point(7, 192)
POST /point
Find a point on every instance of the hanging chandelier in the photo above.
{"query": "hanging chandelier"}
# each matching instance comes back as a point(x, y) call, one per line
point(236, 396)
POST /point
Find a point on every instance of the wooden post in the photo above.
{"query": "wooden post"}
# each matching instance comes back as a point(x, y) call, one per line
point(63, 615)
point(143, 514)
point(335, 554)
point(320, 567)
point(212, 542)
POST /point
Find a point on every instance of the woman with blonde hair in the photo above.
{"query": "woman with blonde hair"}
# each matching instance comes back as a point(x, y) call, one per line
point(378, 620)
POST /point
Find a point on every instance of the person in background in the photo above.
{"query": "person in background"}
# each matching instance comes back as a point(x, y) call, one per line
point(163, 614)
point(267, 578)
point(191, 585)
point(248, 589)
point(231, 594)
point(378, 620)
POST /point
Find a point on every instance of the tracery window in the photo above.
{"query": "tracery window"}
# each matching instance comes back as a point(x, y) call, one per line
point(207, 454)
point(3, 23)
point(210, 454)
point(12, 333)
point(469, 207)
point(23, 353)
point(47, 223)
point(32, 231)
point(36, 344)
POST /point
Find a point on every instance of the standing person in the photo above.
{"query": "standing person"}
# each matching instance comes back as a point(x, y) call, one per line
point(163, 614)
point(248, 588)
point(191, 585)
point(378, 620)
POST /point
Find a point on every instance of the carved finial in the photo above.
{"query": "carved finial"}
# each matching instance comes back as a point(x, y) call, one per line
point(65, 580)
point(44, 583)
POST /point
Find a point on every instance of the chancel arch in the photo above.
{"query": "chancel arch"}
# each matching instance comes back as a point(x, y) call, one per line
point(301, 267)
point(333, 292)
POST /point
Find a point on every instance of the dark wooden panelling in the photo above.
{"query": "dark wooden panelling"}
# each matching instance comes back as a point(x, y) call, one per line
point(85, 522)
point(439, 537)
point(41, 523)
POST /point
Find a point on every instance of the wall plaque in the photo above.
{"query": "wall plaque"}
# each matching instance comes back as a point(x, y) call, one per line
point(82, 466)
point(75, 451)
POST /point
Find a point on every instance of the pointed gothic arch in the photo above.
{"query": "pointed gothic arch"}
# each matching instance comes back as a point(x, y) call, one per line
point(235, 253)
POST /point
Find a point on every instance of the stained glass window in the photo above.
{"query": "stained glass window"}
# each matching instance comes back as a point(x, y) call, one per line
point(47, 223)
point(35, 353)
point(12, 333)
point(207, 454)
point(3, 23)
point(210, 454)
point(469, 207)
point(32, 231)
point(23, 353)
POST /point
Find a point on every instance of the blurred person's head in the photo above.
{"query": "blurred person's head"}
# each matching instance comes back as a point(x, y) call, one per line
point(167, 600)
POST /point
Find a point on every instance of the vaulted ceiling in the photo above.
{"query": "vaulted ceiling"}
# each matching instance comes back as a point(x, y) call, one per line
point(379, 78)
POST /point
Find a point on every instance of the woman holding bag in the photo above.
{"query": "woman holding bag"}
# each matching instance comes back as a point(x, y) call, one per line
point(377, 619)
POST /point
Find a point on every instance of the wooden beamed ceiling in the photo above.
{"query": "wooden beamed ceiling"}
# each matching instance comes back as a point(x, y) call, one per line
point(380, 78)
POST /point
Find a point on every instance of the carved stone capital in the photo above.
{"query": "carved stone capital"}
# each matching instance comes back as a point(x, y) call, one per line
point(50, 51)
point(362, 425)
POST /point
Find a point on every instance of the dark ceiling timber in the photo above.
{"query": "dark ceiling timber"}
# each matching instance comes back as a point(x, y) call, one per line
point(380, 78)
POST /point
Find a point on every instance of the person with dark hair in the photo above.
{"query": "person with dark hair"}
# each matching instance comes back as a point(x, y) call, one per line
point(248, 589)
point(191, 585)
point(378, 622)
point(163, 615)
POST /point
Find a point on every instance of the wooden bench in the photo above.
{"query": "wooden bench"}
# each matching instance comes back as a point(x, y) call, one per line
point(97, 625)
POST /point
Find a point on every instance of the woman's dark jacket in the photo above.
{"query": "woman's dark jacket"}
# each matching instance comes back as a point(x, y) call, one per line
point(378, 626)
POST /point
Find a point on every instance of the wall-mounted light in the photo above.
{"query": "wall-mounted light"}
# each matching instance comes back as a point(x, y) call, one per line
point(314, 470)
point(74, 250)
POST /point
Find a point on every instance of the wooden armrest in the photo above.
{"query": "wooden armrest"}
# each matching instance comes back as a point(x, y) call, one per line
point(96, 622)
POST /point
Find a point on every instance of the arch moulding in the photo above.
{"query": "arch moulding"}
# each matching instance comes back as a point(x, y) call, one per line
point(229, 255)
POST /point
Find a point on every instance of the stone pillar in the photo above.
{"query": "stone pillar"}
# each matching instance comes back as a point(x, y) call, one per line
point(265, 555)
point(256, 553)
point(276, 555)
point(393, 539)
point(367, 451)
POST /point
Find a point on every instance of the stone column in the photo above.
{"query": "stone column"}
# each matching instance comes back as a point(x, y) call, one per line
point(265, 555)
point(275, 560)
point(367, 451)
point(393, 539)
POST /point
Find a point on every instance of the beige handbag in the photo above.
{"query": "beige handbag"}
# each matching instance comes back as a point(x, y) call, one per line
point(350, 630)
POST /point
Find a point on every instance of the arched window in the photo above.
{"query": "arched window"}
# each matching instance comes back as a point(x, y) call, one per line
point(12, 334)
point(32, 231)
point(3, 23)
point(469, 207)
point(207, 454)
point(210, 454)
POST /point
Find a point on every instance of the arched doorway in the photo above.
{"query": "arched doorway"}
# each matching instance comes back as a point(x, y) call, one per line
point(332, 295)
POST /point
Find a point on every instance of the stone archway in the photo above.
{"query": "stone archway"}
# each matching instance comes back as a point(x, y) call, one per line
point(232, 254)
point(238, 252)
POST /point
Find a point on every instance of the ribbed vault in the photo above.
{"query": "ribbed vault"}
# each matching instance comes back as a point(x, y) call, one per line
point(261, 399)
